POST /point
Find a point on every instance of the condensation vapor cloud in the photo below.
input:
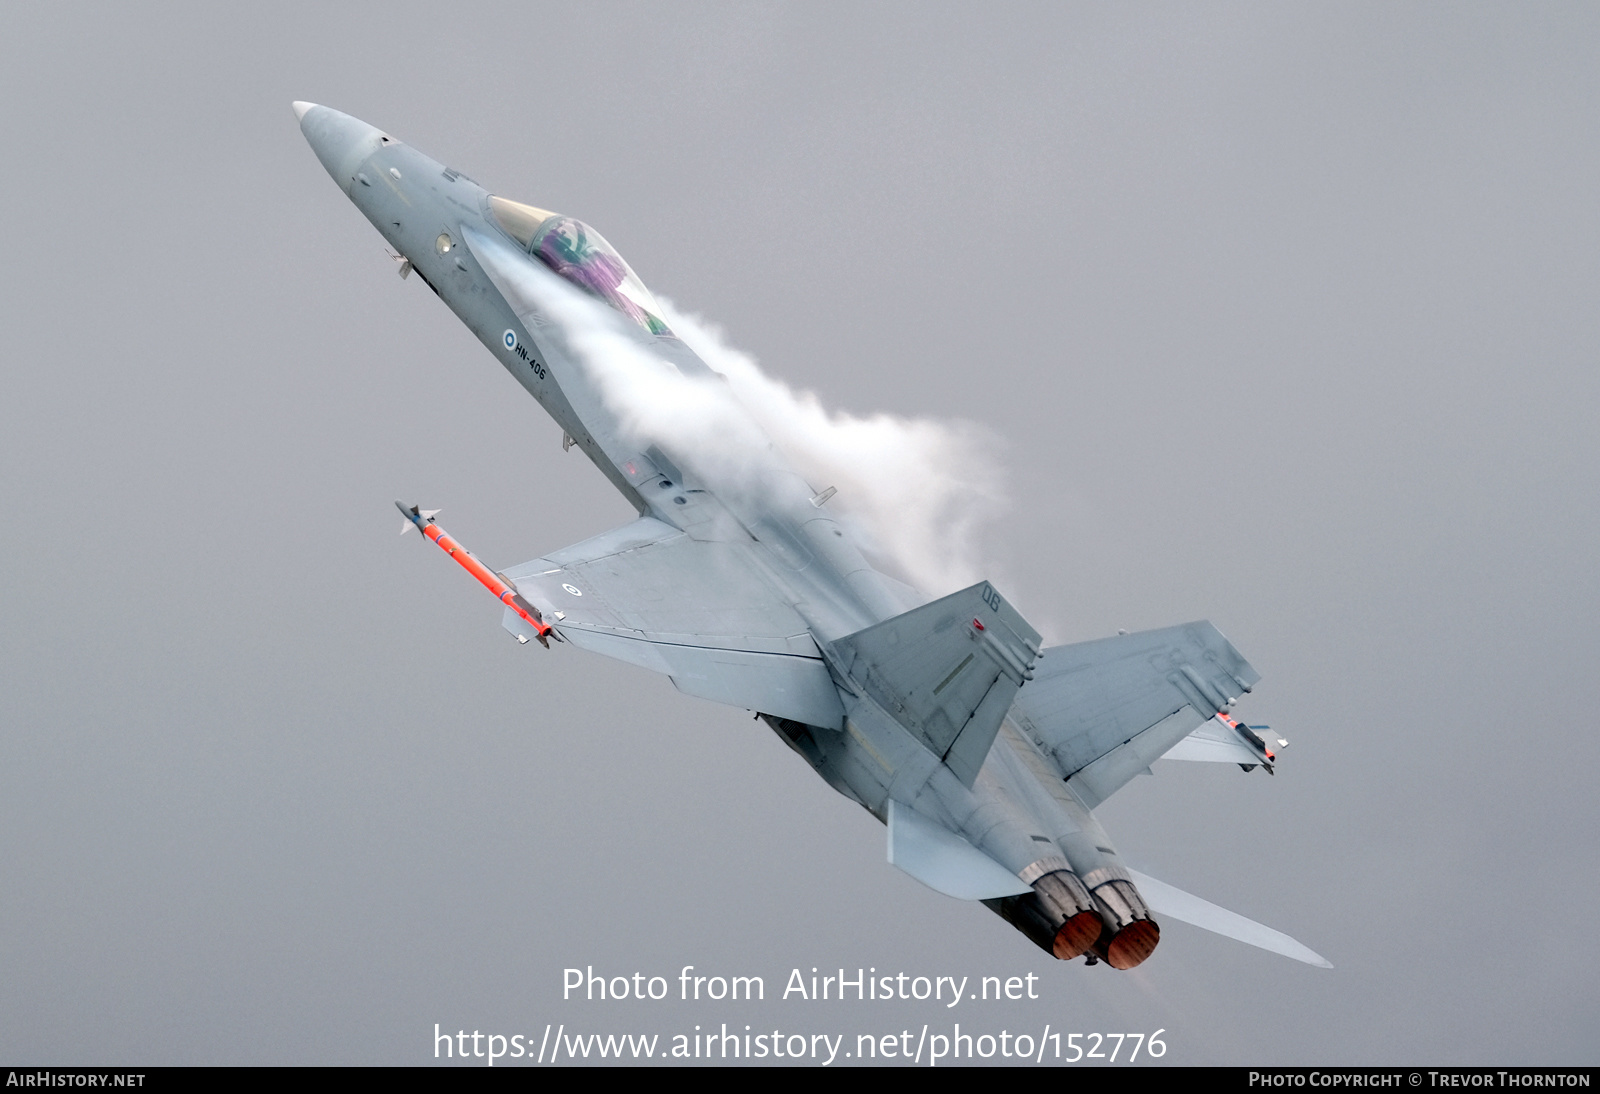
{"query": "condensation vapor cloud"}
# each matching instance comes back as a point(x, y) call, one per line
point(916, 492)
point(697, 420)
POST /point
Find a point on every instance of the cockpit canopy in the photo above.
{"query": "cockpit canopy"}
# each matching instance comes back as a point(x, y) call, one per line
point(582, 256)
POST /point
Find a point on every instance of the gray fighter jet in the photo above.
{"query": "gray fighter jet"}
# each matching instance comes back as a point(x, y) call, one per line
point(983, 752)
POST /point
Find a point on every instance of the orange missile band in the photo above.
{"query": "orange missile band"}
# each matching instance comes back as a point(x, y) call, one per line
point(487, 577)
point(1240, 727)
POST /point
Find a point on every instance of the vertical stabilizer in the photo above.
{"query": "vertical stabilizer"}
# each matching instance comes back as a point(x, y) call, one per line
point(947, 671)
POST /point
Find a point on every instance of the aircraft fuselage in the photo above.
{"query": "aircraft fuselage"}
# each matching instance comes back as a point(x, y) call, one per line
point(1015, 808)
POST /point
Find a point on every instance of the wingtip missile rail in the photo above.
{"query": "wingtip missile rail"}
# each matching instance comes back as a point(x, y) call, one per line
point(503, 590)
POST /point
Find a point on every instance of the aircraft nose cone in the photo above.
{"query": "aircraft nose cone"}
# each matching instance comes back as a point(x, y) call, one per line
point(341, 142)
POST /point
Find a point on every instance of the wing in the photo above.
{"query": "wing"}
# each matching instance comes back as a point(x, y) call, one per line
point(1106, 710)
point(700, 612)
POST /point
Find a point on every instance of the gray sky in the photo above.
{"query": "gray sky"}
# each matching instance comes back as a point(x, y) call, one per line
point(1285, 316)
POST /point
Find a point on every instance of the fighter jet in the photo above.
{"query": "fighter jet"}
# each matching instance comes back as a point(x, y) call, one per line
point(984, 752)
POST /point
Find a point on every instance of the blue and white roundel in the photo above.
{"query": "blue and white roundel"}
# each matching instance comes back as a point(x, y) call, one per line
point(511, 339)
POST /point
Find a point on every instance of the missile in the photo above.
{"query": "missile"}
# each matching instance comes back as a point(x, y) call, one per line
point(1251, 737)
point(503, 590)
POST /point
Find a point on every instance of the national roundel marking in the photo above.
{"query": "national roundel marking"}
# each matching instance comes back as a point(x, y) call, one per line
point(511, 339)
point(573, 589)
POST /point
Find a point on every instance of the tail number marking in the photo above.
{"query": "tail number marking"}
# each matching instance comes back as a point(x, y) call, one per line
point(515, 345)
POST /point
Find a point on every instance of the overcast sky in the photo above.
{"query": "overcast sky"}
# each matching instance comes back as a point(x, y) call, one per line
point(1279, 315)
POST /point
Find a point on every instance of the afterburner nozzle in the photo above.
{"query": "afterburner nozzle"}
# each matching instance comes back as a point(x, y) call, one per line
point(1131, 945)
point(1059, 915)
point(1130, 935)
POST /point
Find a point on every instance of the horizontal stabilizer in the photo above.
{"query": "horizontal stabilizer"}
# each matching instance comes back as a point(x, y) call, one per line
point(947, 671)
point(1168, 900)
point(945, 862)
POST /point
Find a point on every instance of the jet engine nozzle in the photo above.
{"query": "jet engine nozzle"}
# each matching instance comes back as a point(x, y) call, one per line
point(1059, 916)
point(1129, 935)
point(1131, 945)
point(1063, 893)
